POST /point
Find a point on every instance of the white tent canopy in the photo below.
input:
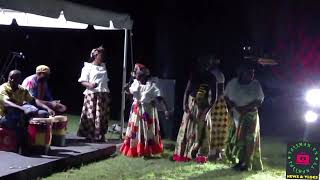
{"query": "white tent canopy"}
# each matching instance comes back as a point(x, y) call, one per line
point(72, 12)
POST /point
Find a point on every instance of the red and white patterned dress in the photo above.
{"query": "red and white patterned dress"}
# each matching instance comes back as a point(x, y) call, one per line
point(143, 131)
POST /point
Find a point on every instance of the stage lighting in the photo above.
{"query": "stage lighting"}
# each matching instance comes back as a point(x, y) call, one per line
point(311, 117)
point(313, 97)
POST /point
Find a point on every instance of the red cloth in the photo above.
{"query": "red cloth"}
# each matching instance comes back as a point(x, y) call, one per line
point(8, 140)
point(180, 158)
point(35, 129)
point(140, 149)
point(201, 159)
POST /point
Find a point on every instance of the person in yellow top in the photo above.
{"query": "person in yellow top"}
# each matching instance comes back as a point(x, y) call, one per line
point(14, 112)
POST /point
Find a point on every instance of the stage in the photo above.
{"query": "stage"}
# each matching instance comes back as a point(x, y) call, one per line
point(77, 152)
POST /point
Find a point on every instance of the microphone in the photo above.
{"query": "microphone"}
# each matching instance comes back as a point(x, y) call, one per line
point(253, 58)
point(132, 77)
point(18, 54)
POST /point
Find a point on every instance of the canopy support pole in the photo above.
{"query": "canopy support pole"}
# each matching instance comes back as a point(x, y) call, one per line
point(124, 76)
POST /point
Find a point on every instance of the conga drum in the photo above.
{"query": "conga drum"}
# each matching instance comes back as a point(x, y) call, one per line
point(8, 140)
point(59, 130)
point(40, 134)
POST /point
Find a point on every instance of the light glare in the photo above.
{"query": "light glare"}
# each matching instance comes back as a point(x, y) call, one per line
point(313, 97)
point(311, 117)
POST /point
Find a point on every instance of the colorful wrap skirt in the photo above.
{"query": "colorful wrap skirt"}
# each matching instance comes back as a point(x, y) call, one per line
point(244, 141)
point(143, 132)
point(192, 132)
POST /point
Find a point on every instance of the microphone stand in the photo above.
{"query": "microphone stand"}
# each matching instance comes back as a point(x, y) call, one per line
point(2, 79)
point(6, 66)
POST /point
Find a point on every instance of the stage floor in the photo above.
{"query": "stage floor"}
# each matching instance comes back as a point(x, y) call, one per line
point(76, 153)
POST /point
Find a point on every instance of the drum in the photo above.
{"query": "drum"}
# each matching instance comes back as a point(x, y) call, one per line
point(8, 140)
point(40, 134)
point(59, 130)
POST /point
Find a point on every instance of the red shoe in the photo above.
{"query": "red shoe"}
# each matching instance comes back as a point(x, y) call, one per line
point(201, 159)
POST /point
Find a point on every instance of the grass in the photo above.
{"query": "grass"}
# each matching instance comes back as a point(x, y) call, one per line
point(73, 124)
point(120, 167)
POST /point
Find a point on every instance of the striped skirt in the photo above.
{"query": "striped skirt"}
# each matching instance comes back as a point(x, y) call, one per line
point(192, 134)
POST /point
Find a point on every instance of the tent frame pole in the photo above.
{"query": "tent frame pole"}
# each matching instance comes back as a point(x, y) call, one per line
point(124, 76)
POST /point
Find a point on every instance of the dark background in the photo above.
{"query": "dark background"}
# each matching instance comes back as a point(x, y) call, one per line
point(170, 34)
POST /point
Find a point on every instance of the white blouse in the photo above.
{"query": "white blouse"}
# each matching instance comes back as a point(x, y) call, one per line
point(95, 74)
point(243, 94)
point(218, 75)
point(144, 93)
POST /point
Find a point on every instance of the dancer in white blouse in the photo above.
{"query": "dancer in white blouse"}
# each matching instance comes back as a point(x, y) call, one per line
point(143, 132)
point(244, 95)
point(95, 111)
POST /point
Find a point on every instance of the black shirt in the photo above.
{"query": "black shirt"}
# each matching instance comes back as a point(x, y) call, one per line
point(206, 79)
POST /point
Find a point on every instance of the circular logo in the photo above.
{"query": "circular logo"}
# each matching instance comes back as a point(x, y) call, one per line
point(303, 158)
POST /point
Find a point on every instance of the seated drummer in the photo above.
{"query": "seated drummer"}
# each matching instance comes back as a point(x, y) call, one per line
point(14, 113)
point(38, 87)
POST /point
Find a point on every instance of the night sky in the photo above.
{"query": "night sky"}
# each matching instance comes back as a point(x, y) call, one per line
point(169, 34)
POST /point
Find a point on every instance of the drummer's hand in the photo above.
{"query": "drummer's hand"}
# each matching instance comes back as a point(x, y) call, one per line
point(51, 112)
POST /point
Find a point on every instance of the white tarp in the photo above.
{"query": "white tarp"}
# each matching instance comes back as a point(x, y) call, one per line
point(33, 20)
point(167, 89)
point(72, 12)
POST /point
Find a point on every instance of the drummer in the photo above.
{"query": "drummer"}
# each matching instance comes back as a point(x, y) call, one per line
point(14, 113)
point(37, 85)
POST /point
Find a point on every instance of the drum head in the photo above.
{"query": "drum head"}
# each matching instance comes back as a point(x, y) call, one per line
point(41, 121)
point(60, 118)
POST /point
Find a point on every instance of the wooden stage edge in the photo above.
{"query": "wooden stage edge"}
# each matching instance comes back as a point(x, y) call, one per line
point(77, 152)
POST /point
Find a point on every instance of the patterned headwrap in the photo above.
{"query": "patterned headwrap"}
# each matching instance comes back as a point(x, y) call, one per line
point(43, 69)
point(96, 51)
point(141, 69)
